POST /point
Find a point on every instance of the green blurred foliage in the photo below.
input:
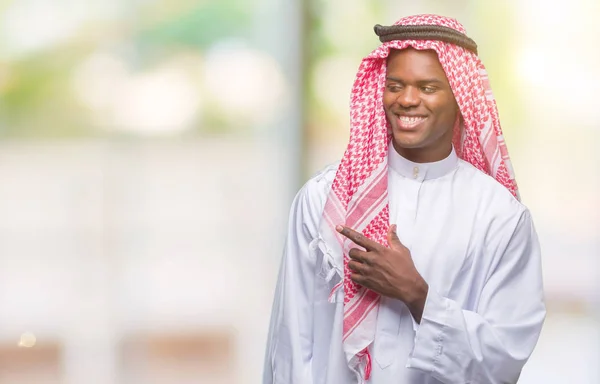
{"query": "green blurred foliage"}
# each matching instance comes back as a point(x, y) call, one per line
point(199, 26)
point(37, 101)
point(36, 96)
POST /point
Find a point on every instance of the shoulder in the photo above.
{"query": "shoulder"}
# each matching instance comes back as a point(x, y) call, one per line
point(316, 189)
point(310, 200)
point(497, 210)
point(484, 189)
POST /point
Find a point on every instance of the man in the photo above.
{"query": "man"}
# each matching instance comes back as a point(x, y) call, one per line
point(412, 260)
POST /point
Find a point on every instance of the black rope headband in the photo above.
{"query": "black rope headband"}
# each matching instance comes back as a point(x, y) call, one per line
point(425, 32)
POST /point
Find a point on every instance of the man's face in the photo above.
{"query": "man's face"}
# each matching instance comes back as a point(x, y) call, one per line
point(419, 105)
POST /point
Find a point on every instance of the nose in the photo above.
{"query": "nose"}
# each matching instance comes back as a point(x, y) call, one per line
point(408, 97)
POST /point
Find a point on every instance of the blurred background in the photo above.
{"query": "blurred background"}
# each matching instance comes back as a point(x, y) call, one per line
point(150, 150)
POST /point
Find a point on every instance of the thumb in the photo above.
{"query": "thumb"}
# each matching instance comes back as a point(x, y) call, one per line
point(392, 237)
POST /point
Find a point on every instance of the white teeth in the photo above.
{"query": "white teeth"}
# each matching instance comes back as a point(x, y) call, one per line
point(409, 121)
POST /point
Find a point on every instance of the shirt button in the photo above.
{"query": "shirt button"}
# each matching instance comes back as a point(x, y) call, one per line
point(415, 172)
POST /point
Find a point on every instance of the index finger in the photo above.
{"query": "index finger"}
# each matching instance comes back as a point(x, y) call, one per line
point(358, 238)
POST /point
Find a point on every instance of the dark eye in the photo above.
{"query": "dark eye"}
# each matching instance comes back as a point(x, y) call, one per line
point(428, 89)
point(393, 87)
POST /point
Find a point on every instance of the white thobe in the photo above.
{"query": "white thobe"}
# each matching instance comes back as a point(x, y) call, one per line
point(473, 243)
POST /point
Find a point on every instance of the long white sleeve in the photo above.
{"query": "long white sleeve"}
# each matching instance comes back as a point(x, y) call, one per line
point(290, 341)
point(491, 343)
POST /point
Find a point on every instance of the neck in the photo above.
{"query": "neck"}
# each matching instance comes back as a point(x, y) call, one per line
point(423, 155)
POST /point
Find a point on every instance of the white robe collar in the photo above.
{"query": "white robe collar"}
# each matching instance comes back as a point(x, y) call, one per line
point(421, 171)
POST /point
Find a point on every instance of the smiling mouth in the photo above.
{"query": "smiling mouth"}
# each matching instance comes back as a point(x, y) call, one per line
point(409, 122)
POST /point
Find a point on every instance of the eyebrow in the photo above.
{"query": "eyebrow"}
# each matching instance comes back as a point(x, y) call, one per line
point(420, 82)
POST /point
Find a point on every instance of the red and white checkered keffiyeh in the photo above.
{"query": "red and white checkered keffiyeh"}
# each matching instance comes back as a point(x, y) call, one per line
point(358, 197)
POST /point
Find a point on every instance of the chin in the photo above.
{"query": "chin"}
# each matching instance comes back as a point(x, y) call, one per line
point(402, 141)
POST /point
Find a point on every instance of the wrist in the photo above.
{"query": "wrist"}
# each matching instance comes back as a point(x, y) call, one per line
point(417, 297)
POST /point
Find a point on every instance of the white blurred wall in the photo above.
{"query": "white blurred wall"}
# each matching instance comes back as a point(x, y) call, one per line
point(102, 243)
